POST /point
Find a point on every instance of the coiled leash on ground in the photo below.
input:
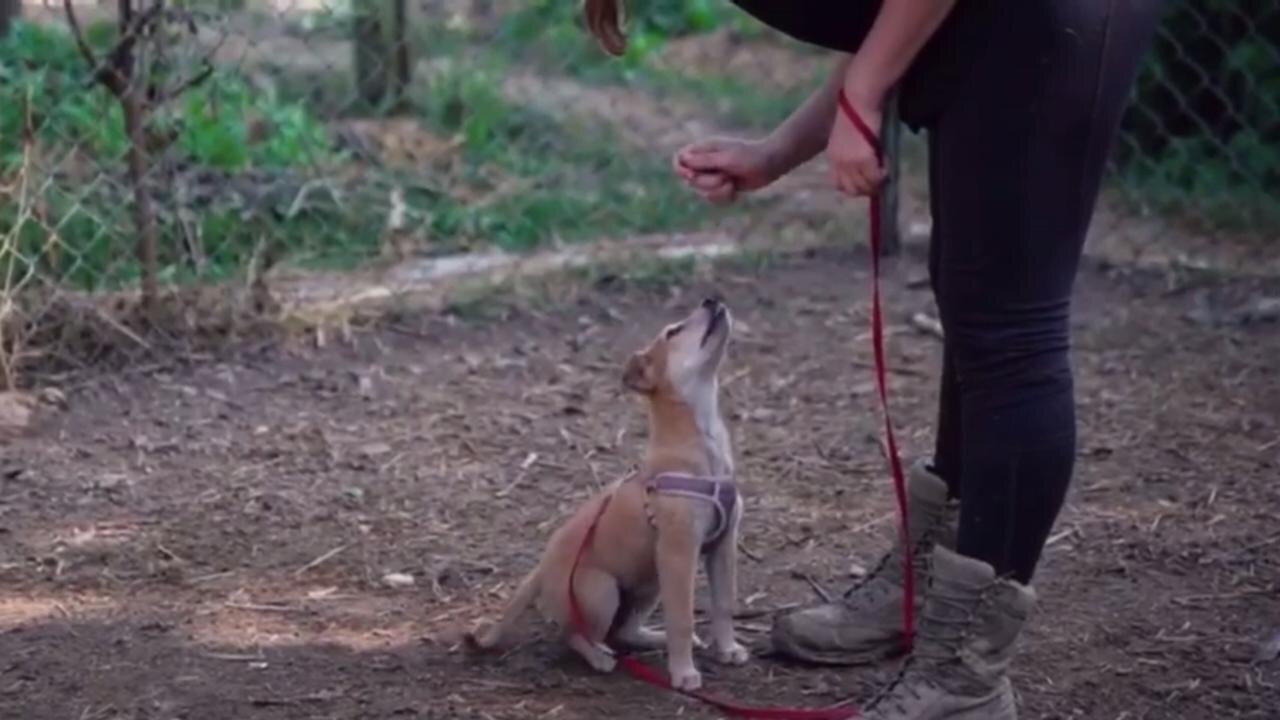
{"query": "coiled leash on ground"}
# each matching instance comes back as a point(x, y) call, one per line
point(843, 711)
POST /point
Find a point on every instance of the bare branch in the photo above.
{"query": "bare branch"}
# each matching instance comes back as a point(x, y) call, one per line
point(187, 84)
point(81, 44)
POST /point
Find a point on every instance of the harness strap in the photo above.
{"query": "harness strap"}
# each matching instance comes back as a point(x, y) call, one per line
point(721, 492)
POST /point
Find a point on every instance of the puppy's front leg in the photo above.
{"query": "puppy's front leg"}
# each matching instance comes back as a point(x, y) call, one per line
point(677, 556)
point(722, 574)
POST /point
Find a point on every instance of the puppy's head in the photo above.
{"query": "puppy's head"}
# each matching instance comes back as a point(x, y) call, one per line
point(681, 361)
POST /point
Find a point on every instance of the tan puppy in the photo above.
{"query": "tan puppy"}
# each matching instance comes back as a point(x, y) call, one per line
point(648, 540)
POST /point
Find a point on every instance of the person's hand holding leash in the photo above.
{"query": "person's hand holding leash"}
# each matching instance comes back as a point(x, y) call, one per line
point(720, 168)
point(855, 168)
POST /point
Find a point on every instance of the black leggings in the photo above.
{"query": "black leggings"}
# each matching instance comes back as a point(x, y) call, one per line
point(1016, 154)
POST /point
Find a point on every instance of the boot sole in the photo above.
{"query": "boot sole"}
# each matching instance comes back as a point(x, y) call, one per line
point(786, 647)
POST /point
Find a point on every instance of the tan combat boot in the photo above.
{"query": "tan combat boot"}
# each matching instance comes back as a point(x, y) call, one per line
point(968, 628)
point(865, 625)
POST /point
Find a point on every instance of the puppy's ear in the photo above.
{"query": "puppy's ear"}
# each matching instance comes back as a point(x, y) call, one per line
point(638, 375)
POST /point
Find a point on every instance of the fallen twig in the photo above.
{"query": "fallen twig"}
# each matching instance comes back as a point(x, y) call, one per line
point(818, 590)
point(257, 607)
point(928, 325)
point(321, 560)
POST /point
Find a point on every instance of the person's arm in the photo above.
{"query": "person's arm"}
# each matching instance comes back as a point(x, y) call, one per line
point(899, 32)
point(897, 35)
point(805, 131)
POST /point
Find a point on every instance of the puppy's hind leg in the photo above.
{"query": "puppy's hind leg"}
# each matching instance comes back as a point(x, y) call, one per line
point(633, 633)
point(598, 598)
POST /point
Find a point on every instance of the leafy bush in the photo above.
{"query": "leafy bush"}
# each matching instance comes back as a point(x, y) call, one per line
point(222, 124)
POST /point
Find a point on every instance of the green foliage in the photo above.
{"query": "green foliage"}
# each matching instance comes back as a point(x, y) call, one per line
point(222, 124)
point(42, 73)
point(575, 181)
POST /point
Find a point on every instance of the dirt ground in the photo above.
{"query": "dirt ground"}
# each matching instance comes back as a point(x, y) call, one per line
point(209, 540)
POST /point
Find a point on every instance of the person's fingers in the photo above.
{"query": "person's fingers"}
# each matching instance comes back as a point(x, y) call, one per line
point(681, 170)
point(863, 178)
point(709, 161)
point(708, 181)
point(716, 188)
point(857, 177)
point(721, 195)
point(840, 178)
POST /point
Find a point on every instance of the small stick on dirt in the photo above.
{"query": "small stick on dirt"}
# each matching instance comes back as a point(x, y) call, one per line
point(928, 325)
point(1059, 537)
point(232, 657)
point(1202, 599)
point(749, 553)
point(256, 607)
point(511, 485)
point(321, 560)
point(169, 554)
point(818, 590)
point(895, 369)
point(529, 460)
point(1259, 545)
point(211, 576)
point(871, 524)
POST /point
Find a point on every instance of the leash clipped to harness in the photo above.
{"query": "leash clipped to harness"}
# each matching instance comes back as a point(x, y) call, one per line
point(656, 678)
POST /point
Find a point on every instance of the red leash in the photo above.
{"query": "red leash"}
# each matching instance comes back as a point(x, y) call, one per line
point(658, 679)
point(877, 341)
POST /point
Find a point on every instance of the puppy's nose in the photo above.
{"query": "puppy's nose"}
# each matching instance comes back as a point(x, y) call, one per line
point(711, 303)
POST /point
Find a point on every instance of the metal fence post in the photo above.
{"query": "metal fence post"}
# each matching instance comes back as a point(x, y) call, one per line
point(891, 138)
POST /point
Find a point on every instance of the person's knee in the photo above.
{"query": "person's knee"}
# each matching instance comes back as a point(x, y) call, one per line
point(1005, 357)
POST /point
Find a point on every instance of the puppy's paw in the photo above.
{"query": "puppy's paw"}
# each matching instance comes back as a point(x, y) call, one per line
point(602, 661)
point(733, 654)
point(597, 656)
point(478, 641)
point(686, 679)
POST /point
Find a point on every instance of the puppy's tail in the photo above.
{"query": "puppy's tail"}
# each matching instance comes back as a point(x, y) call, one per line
point(497, 633)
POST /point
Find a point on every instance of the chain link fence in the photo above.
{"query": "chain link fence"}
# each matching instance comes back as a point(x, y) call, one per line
point(174, 171)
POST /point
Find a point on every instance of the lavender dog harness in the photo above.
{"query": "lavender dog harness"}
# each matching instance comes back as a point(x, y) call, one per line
point(721, 492)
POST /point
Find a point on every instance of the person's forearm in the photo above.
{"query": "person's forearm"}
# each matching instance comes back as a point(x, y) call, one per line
point(899, 32)
point(804, 133)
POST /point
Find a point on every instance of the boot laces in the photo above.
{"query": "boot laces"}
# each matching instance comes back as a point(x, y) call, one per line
point(944, 621)
point(918, 549)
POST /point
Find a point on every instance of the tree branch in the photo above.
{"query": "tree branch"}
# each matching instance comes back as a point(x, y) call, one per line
point(187, 84)
point(95, 65)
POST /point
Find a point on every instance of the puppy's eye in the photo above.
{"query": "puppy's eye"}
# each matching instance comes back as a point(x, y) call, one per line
point(674, 330)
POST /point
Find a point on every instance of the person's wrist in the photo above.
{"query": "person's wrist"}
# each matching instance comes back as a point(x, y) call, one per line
point(775, 152)
point(863, 88)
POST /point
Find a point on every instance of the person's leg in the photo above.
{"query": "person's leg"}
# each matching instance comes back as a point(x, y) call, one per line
point(1019, 160)
point(946, 450)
